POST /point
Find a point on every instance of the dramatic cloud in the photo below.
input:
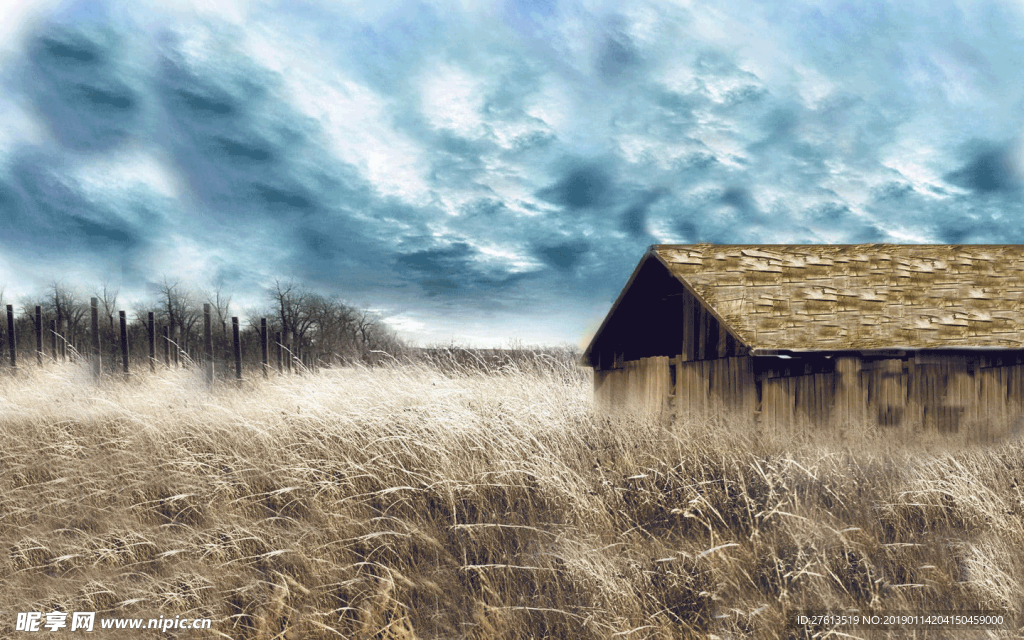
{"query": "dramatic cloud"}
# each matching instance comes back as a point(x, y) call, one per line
point(81, 86)
point(582, 187)
point(991, 169)
point(493, 171)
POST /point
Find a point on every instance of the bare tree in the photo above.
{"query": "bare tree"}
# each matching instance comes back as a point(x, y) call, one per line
point(221, 305)
point(293, 304)
point(169, 305)
point(363, 328)
point(28, 305)
point(326, 330)
point(108, 305)
point(375, 336)
point(329, 317)
point(70, 311)
point(180, 311)
point(286, 297)
point(108, 298)
point(191, 315)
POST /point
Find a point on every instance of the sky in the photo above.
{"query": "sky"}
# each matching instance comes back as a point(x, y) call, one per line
point(489, 173)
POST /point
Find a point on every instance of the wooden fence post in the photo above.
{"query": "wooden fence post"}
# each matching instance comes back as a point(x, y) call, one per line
point(124, 340)
point(277, 350)
point(289, 344)
point(39, 335)
point(167, 346)
point(207, 345)
point(174, 342)
point(263, 345)
point(53, 339)
point(237, 346)
point(152, 342)
point(97, 366)
point(63, 328)
point(11, 340)
point(113, 343)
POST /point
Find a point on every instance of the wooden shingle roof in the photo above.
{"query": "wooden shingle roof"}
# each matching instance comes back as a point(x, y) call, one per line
point(858, 297)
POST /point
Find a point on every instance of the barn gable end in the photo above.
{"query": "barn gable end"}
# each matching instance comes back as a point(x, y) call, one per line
point(657, 314)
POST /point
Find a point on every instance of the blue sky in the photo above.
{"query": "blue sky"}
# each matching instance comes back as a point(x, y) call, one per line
point(491, 171)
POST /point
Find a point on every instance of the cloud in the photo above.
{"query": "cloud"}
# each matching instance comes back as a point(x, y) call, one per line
point(618, 59)
point(741, 200)
point(454, 270)
point(236, 141)
point(81, 84)
point(991, 169)
point(634, 220)
point(48, 213)
point(564, 256)
point(501, 157)
point(583, 186)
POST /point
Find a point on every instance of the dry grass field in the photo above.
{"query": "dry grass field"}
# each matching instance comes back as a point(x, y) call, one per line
point(420, 501)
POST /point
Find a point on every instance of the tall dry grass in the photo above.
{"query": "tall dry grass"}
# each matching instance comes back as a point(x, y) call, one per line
point(442, 502)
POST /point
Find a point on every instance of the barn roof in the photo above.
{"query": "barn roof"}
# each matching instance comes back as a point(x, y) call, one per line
point(858, 297)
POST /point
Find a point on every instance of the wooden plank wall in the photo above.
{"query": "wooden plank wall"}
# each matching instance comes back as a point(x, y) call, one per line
point(640, 385)
point(851, 396)
point(692, 389)
point(725, 385)
point(952, 396)
point(777, 405)
point(798, 402)
point(900, 397)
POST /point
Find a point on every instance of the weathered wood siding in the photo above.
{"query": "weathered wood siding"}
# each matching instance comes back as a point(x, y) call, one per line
point(640, 385)
point(804, 402)
point(724, 385)
point(904, 397)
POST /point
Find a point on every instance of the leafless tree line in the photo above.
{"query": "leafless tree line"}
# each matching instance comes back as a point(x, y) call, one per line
point(317, 329)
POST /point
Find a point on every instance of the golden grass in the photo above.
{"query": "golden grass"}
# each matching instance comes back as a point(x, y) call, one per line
point(407, 501)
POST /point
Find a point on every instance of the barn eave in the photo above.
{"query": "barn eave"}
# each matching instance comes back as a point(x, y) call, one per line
point(895, 351)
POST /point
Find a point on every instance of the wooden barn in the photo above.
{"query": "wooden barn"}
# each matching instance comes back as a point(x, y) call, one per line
point(899, 336)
